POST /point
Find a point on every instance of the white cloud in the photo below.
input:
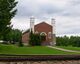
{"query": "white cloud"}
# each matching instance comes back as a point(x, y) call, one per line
point(66, 13)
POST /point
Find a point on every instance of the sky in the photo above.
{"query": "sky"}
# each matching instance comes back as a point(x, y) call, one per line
point(65, 12)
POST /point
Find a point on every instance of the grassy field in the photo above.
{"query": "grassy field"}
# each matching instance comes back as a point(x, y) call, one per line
point(70, 48)
point(38, 50)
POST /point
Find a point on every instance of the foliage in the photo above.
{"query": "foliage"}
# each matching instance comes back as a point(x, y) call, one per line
point(68, 41)
point(14, 37)
point(17, 37)
point(7, 12)
point(35, 39)
point(31, 38)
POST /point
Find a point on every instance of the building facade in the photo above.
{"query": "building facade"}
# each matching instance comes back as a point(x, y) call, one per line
point(42, 28)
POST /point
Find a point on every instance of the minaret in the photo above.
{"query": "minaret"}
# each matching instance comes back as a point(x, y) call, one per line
point(53, 31)
point(32, 24)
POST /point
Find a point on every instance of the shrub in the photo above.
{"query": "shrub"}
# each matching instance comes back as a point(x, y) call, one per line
point(35, 39)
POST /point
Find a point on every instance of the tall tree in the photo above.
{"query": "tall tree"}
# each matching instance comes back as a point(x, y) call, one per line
point(7, 12)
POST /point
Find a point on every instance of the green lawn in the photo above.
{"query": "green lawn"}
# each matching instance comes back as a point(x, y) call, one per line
point(11, 49)
point(70, 48)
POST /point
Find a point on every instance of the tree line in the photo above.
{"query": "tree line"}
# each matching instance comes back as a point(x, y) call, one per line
point(68, 41)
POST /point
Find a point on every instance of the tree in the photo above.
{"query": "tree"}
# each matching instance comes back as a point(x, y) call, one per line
point(31, 38)
point(7, 12)
point(62, 41)
point(17, 37)
point(14, 37)
point(75, 41)
point(34, 39)
point(37, 39)
point(66, 41)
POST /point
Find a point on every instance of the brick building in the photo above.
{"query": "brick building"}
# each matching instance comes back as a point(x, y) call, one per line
point(44, 29)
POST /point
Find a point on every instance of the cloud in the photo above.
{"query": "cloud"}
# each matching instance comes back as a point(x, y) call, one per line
point(75, 2)
point(66, 13)
point(39, 7)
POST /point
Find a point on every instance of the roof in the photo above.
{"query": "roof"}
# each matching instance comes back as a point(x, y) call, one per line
point(27, 31)
point(43, 23)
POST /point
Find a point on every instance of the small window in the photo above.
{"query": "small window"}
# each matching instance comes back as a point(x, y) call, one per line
point(49, 35)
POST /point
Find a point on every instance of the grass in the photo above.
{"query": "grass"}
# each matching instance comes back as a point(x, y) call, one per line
point(35, 50)
point(70, 48)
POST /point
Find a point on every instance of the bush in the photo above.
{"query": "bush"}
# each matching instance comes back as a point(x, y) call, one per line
point(35, 39)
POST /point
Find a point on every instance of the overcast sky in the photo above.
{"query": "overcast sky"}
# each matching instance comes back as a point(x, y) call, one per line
point(65, 12)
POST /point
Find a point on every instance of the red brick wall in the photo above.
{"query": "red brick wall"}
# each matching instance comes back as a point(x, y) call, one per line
point(44, 27)
point(41, 27)
point(25, 38)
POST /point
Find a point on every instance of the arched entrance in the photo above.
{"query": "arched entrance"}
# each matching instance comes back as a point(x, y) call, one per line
point(43, 38)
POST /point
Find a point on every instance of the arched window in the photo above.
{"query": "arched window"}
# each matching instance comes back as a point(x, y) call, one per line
point(49, 35)
point(43, 36)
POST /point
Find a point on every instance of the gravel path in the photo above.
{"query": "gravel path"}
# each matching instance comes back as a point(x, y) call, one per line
point(63, 49)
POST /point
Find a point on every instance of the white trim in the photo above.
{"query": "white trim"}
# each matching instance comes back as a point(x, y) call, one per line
point(43, 33)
